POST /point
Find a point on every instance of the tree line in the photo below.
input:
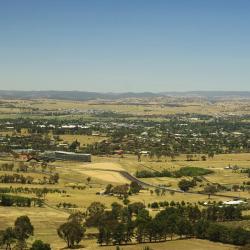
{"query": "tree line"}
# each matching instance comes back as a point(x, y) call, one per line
point(133, 223)
point(183, 171)
point(19, 178)
point(28, 190)
point(19, 201)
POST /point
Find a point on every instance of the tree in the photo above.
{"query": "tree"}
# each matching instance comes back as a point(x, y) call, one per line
point(135, 207)
point(77, 217)
point(184, 227)
point(94, 212)
point(74, 145)
point(121, 190)
point(72, 232)
point(8, 237)
point(163, 191)
point(40, 245)
point(108, 189)
point(203, 158)
point(106, 227)
point(125, 200)
point(235, 187)
point(189, 157)
point(119, 233)
point(210, 189)
point(88, 179)
point(95, 208)
point(142, 219)
point(200, 228)
point(211, 154)
point(116, 210)
point(135, 187)
point(23, 230)
point(155, 205)
point(54, 178)
point(157, 191)
point(184, 185)
point(213, 232)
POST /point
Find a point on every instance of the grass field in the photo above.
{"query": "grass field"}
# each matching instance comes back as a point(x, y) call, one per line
point(74, 174)
point(153, 107)
point(177, 245)
point(83, 139)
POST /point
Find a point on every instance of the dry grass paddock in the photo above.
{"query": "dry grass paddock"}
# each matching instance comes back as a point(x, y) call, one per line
point(75, 174)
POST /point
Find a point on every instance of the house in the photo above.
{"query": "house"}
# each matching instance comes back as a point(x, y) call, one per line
point(145, 152)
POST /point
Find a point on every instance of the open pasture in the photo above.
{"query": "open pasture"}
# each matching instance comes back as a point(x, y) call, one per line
point(82, 191)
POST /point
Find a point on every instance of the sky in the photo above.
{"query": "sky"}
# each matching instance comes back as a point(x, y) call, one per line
point(125, 45)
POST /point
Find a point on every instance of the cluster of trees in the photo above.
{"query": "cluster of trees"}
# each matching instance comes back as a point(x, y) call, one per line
point(74, 146)
point(76, 186)
point(28, 190)
point(123, 190)
point(209, 189)
point(246, 171)
point(222, 213)
point(184, 171)
point(151, 174)
point(220, 233)
point(123, 225)
point(66, 205)
point(17, 236)
point(6, 167)
point(185, 185)
point(217, 209)
point(32, 167)
point(19, 178)
point(19, 201)
point(40, 245)
point(16, 178)
point(34, 141)
point(164, 204)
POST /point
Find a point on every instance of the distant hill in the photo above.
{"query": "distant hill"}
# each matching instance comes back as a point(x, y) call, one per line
point(211, 94)
point(69, 95)
point(82, 95)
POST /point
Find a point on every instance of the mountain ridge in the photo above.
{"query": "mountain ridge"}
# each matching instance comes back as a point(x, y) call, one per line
point(85, 95)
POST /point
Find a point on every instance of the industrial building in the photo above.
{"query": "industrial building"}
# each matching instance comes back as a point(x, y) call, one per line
point(71, 156)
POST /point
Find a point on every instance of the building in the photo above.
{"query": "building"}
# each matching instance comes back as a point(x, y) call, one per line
point(143, 152)
point(234, 203)
point(71, 156)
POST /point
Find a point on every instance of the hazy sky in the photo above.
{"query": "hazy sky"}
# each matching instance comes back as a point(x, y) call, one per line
point(125, 45)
